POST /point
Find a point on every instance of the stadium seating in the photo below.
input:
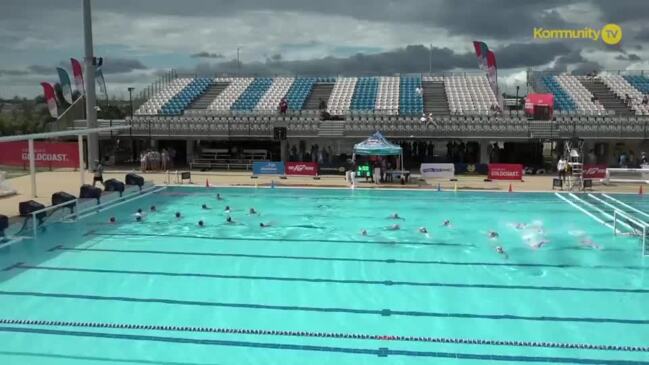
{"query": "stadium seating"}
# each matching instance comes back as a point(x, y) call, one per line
point(562, 102)
point(277, 91)
point(640, 82)
point(365, 94)
point(387, 96)
point(177, 104)
point(236, 87)
point(580, 95)
point(157, 101)
point(469, 94)
point(253, 93)
point(299, 92)
point(621, 87)
point(341, 95)
point(411, 103)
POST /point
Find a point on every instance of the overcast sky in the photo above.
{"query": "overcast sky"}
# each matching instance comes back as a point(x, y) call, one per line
point(139, 38)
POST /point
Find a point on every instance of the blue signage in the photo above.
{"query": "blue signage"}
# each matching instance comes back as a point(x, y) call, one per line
point(267, 168)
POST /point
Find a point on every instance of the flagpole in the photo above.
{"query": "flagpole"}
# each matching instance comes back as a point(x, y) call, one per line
point(91, 97)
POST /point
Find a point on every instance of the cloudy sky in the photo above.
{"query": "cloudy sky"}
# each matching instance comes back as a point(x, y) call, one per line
point(140, 38)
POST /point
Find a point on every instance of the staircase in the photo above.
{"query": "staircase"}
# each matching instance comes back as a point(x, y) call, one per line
point(609, 100)
point(543, 129)
point(619, 216)
point(208, 97)
point(319, 91)
point(435, 100)
point(331, 128)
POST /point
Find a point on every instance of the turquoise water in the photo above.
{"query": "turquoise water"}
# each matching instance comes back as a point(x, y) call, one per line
point(312, 271)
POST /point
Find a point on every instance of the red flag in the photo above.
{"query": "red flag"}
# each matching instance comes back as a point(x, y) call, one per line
point(492, 73)
point(48, 91)
point(77, 71)
point(481, 51)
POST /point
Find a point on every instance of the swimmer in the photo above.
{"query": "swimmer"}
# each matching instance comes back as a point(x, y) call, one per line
point(520, 225)
point(587, 242)
point(423, 230)
point(252, 211)
point(447, 223)
point(138, 217)
point(501, 251)
point(492, 234)
point(201, 223)
point(363, 232)
point(394, 227)
point(204, 206)
point(229, 220)
point(394, 216)
point(218, 196)
point(177, 215)
point(264, 225)
point(227, 209)
point(153, 208)
point(112, 220)
point(539, 244)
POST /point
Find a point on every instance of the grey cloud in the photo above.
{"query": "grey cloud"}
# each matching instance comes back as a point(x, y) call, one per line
point(642, 35)
point(13, 73)
point(206, 55)
point(529, 54)
point(42, 70)
point(628, 57)
point(121, 65)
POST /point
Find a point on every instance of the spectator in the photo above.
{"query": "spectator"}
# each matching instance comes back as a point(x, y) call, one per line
point(419, 91)
point(283, 106)
point(423, 118)
point(164, 158)
point(645, 100)
point(561, 168)
point(98, 173)
point(143, 161)
point(322, 105)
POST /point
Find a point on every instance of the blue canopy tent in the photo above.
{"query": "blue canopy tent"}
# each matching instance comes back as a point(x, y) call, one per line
point(377, 145)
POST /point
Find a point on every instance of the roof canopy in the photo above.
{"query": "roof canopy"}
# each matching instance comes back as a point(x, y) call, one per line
point(376, 145)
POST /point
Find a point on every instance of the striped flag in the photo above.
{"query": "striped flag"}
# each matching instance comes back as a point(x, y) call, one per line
point(50, 98)
point(77, 72)
point(101, 82)
point(66, 88)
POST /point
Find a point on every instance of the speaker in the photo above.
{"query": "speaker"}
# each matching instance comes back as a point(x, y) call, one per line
point(89, 192)
point(114, 185)
point(28, 207)
point(279, 133)
point(133, 179)
point(61, 197)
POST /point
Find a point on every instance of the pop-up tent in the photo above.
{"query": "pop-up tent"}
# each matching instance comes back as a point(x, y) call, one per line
point(377, 145)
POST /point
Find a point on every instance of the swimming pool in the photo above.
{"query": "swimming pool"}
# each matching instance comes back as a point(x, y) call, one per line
point(310, 289)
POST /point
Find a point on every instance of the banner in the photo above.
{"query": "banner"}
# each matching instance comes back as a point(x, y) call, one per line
point(505, 171)
point(437, 170)
point(50, 99)
point(46, 154)
point(101, 82)
point(471, 168)
point(594, 171)
point(66, 87)
point(77, 72)
point(302, 168)
point(267, 168)
point(481, 51)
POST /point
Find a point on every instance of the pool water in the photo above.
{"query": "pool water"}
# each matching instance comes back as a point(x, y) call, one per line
point(316, 291)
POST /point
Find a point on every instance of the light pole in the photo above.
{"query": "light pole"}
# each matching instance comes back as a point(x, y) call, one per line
point(130, 131)
point(238, 62)
point(518, 104)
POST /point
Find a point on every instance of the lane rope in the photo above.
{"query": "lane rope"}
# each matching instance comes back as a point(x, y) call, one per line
point(353, 336)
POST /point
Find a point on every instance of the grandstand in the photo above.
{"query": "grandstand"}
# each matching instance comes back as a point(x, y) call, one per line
point(458, 106)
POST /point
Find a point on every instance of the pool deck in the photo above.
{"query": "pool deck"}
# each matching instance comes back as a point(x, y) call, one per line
point(53, 181)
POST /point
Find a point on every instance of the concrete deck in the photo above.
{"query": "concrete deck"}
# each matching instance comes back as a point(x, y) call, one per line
point(53, 181)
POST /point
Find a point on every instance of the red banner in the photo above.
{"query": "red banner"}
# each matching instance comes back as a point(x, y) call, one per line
point(594, 171)
point(505, 171)
point(47, 154)
point(302, 168)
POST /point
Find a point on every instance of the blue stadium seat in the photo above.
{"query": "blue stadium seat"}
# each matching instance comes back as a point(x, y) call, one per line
point(562, 101)
point(640, 82)
point(251, 96)
point(179, 102)
point(365, 94)
point(410, 103)
point(299, 92)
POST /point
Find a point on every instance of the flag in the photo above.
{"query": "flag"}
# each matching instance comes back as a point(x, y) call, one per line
point(481, 51)
point(48, 91)
point(77, 72)
point(66, 88)
point(492, 75)
point(101, 82)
